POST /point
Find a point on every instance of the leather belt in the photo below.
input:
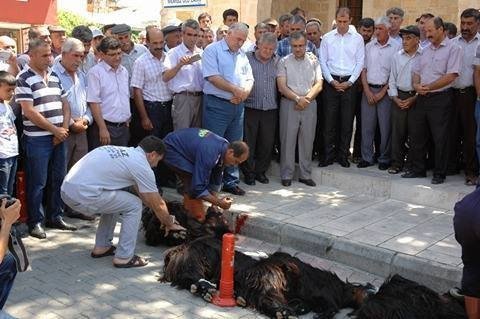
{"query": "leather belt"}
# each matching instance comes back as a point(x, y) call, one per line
point(190, 93)
point(376, 86)
point(341, 78)
point(115, 124)
point(412, 92)
point(464, 90)
point(431, 94)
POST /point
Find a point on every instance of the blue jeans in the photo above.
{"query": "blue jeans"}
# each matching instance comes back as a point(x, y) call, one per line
point(8, 271)
point(44, 161)
point(8, 169)
point(477, 119)
point(224, 119)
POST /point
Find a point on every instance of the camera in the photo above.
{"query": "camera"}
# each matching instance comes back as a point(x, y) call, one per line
point(10, 200)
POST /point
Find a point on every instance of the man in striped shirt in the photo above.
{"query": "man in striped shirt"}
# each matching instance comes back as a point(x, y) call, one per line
point(46, 116)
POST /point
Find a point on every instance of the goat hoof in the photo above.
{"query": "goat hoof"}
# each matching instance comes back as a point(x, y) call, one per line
point(193, 288)
point(241, 302)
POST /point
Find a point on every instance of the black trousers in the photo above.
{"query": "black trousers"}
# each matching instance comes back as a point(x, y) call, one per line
point(338, 112)
point(160, 114)
point(466, 223)
point(432, 113)
point(400, 131)
point(259, 134)
point(462, 135)
point(318, 147)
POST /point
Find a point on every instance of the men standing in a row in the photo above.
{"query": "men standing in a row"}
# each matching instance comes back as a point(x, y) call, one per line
point(464, 97)
point(45, 128)
point(341, 57)
point(261, 113)
point(299, 80)
point(108, 95)
point(376, 105)
point(229, 82)
point(74, 83)
point(434, 72)
point(400, 90)
point(183, 75)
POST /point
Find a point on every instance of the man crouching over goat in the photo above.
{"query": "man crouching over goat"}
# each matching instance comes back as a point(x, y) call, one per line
point(97, 183)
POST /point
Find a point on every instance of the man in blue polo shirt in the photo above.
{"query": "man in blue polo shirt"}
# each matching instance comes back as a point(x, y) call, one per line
point(198, 157)
point(229, 80)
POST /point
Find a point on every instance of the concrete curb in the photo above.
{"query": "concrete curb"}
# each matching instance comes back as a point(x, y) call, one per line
point(372, 259)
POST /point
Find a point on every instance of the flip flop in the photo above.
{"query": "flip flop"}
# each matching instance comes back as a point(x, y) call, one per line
point(136, 261)
point(109, 252)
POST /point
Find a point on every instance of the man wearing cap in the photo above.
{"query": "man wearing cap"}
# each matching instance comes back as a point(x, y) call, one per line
point(183, 73)
point(434, 72)
point(462, 136)
point(96, 185)
point(108, 95)
point(57, 34)
point(229, 82)
point(131, 52)
point(97, 37)
point(272, 25)
point(403, 95)
point(376, 106)
point(172, 37)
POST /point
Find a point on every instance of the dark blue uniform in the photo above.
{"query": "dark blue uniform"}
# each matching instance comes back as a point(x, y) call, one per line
point(200, 153)
point(467, 232)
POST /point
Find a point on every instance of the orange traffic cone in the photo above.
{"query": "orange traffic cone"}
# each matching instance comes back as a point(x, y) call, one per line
point(225, 295)
point(22, 196)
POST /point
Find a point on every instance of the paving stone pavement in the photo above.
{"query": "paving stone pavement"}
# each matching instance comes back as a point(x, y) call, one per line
point(65, 282)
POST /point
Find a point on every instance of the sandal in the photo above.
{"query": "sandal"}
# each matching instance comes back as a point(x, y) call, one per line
point(109, 252)
point(136, 261)
point(470, 181)
point(394, 170)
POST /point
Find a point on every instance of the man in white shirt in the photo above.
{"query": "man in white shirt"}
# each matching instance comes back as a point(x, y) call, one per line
point(97, 183)
point(183, 73)
point(341, 57)
point(107, 93)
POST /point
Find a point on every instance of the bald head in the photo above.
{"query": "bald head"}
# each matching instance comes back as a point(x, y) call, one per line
point(155, 41)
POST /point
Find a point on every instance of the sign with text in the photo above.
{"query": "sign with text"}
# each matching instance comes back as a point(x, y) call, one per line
point(183, 3)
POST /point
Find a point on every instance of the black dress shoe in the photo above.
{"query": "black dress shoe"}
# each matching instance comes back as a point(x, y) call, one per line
point(364, 164)
point(344, 162)
point(383, 166)
point(73, 214)
point(412, 174)
point(308, 182)
point(38, 231)
point(235, 190)
point(325, 163)
point(286, 182)
point(59, 223)
point(249, 180)
point(438, 179)
point(262, 178)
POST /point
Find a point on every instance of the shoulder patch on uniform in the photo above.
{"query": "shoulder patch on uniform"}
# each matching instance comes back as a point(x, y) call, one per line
point(203, 132)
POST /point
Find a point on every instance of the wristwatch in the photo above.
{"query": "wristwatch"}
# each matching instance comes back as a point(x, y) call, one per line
point(297, 99)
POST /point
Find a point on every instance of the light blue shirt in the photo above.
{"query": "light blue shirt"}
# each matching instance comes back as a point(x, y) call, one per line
point(234, 67)
point(76, 92)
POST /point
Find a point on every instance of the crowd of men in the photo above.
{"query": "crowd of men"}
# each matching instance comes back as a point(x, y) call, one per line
point(408, 95)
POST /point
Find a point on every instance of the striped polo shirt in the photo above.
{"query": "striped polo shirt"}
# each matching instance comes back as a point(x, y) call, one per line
point(45, 96)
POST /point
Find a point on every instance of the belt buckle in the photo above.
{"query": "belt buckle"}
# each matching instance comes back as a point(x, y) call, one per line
point(462, 91)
